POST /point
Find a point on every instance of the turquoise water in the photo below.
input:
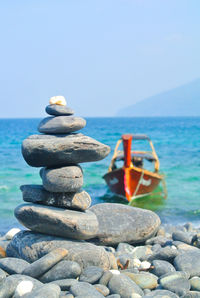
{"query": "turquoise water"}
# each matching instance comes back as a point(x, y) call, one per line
point(177, 144)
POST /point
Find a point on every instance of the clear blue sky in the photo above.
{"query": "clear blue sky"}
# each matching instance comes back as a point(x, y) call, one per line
point(101, 55)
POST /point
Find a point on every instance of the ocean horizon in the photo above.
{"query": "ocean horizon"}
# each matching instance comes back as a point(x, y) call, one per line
point(177, 143)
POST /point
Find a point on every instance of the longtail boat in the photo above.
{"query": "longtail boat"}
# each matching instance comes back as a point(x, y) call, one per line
point(132, 180)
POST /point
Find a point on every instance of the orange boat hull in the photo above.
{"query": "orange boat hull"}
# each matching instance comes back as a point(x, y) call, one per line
point(132, 182)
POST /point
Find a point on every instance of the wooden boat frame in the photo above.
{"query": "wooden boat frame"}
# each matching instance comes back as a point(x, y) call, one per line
point(129, 169)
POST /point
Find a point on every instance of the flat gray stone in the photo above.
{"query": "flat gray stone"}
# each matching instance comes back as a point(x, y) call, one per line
point(31, 246)
point(162, 267)
point(84, 289)
point(165, 253)
point(45, 291)
point(45, 263)
point(144, 280)
point(8, 286)
point(13, 265)
point(120, 223)
point(91, 274)
point(73, 200)
point(56, 221)
point(124, 286)
point(65, 284)
point(161, 293)
point(175, 282)
point(182, 236)
point(188, 262)
point(61, 124)
point(64, 269)
point(58, 110)
point(64, 179)
point(62, 150)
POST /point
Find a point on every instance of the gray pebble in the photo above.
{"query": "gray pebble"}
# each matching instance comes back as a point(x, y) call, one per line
point(166, 253)
point(45, 291)
point(161, 293)
point(61, 124)
point(45, 263)
point(63, 270)
point(85, 289)
point(175, 282)
point(91, 274)
point(13, 265)
point(124, 286)
point(188, 262)
point(64, 179)
point(102, 289)
point(80, 200)
point(182, 236)
point(58, 110)
point(192, 294)
point(62, 150)
point(57, 221)
point(104, 280)
point(65, 284)
point(162, 267)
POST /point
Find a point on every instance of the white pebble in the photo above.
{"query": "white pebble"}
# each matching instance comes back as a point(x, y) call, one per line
point(23, 288)
point(58, 100)
point(11, 233)
point(145, 265)
point(173, 247)
point(136, 263)
point(116, 272)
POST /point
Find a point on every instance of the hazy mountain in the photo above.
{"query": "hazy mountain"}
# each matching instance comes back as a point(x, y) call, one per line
point(180, 101)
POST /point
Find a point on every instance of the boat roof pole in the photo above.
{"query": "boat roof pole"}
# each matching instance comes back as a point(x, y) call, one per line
point(127, 140)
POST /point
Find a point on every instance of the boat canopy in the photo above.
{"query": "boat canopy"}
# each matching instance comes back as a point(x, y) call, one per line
point(140, 137)
point(147, 156)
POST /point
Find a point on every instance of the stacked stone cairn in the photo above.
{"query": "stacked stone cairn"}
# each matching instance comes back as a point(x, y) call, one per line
point(71, 249)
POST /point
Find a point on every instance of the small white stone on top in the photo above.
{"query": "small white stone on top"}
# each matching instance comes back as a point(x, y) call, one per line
point(11, 233)
point(23, 288)
point(58, 100)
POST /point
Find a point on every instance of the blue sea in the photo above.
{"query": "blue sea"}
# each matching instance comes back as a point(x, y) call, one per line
point(177, 143)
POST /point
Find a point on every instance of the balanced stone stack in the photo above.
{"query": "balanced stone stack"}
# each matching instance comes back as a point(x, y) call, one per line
point(59, 206)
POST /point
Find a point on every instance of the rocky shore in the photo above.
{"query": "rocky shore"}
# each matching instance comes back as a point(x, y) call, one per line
point(71, 249)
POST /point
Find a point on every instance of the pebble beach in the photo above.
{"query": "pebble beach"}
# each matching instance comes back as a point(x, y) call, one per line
point(72, 247)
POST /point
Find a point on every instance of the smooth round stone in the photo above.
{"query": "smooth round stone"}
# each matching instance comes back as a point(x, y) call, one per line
point(124, 286)
point(144, 280)
point(61, 124)
point(45, 263)
point(162, 267)
point(65, 179)
point(31, 246)
point(91, 274)
point(84, 289)
point(13, 265)
point(125, 248)
point(120, 223)
point(57, 221)
point(9, 285)
point(58, 110)
point(45, 291)
point(62, 150)
point(102, 289)
point(166, 253)
point(161, 293)
point(195, 283)
point(188, 262)
point(65, 284)
point(73, 200)
point(182, 236)
point(64, 269)
point(175, 282)
point(104, 280)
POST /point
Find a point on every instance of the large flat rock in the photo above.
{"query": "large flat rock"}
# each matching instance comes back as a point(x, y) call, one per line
point(61, 124)
point(57, 221)
point(73, 200)
point(62, 150)
point(121, 223)
point(58, 110)
point(31, 246)
point(64, 179)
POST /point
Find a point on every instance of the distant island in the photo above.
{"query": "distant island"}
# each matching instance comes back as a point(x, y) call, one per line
point(180, 101)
